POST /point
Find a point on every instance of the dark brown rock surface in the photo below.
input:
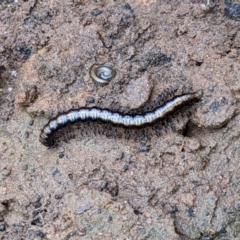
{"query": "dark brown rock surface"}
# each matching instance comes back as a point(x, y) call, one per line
point(181, 185)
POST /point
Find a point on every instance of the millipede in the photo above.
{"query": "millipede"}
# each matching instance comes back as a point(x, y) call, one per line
point(61, 127)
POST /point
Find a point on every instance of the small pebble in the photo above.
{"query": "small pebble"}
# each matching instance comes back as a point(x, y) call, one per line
point(61, 155)
point(128, 159)
point(191, 212)
point(90, 99)
point(13, 73)
point(6, 172)
point(82, 209)
point(144, 148)
point(59, 196)
point(26, 135)
point(10, 89)
point(223, 230)
point(38, 235)
point(95, 13)
point(55, 172)
point(224, 100)
point(31, 122)
point(125, 168)
point(126, 6)
point(215, 106)
point(103, 185)
point(114, 192)
point(37, 204)
point(134, 166)
point(2, 227)
point(207, 6)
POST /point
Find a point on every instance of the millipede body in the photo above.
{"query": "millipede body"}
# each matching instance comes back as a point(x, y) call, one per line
point(93, 114)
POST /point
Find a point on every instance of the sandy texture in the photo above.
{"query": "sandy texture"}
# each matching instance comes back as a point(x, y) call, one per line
point(176, 186)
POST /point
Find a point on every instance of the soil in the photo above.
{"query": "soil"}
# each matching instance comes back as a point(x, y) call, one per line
point(181, 185)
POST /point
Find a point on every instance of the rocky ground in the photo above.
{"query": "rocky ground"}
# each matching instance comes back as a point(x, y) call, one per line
point(181, 185)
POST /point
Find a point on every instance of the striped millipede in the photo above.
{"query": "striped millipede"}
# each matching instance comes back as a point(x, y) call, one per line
point(86, 114)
